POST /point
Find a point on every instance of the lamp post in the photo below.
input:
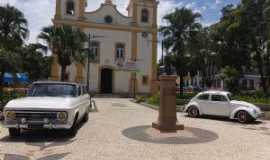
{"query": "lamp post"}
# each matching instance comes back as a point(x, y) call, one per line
point(90, 37)
point(134, 81)
point(88, 61)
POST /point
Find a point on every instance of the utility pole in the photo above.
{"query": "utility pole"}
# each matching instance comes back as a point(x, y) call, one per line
point(135, 80)
point(89, 55)
point(162, 52)
point(88, 61)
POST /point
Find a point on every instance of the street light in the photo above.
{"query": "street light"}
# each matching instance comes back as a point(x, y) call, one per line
point(89, 55)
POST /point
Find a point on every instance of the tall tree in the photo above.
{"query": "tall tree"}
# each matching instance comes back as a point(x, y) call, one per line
point(255, 17)
point(13, 32)
point(34, 61)
point(182, 26)
point(67, 43)
point(13, 27)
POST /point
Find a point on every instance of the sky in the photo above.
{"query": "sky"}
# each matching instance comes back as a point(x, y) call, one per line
point(39, 13)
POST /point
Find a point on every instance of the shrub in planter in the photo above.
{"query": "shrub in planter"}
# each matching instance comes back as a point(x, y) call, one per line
point(154, 100)
point(140, 99)
point(182, 102)
point(186, 96)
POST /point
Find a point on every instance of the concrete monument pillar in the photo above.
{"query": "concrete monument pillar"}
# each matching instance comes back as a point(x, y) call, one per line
point(167, 119)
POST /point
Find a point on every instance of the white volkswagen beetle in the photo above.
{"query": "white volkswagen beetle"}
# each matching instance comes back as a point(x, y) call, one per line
point(49, 105)
point(220, 103)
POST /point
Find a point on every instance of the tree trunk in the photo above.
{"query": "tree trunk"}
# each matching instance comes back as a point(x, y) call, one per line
point(63, 72)
point(263, 79)
point(1, 86)
point(181, 84)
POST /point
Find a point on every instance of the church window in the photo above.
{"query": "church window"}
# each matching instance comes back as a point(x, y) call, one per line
point(95, 48)
point(145, 15)
point(108, 19)
point(70, 10)
point(145, 80)
point(120, 51)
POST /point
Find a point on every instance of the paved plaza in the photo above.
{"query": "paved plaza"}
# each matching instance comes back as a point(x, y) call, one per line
point(121, 130)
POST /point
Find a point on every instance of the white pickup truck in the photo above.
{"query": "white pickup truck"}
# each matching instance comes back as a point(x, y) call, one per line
point(48, 105)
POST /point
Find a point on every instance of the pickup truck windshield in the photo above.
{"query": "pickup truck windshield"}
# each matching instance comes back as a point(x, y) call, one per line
point(52, 90)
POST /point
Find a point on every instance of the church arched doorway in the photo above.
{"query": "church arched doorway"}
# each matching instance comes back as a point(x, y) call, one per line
point(106, 81)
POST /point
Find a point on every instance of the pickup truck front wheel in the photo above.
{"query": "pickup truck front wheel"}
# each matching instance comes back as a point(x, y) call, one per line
point(14, 132)
point(73, 130)
point(85, 117)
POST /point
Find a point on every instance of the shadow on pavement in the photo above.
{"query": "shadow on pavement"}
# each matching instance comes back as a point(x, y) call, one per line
point(43, 138)
point(187, 136)
point(21, 157)
point(225, 119)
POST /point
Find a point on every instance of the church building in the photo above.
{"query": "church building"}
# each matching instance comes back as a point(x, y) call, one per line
point(124, 46)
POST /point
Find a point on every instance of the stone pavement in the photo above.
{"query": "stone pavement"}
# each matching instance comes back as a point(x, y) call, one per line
point(121, 130)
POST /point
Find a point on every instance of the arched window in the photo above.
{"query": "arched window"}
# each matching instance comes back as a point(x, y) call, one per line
point(70, 7)
point(145, 15)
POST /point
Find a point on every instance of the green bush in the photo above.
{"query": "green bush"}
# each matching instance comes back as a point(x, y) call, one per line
point(7, 96)
point(253, 99)
point(182, 102)
point(186, 96)
point(140, 99)
point(154, 100)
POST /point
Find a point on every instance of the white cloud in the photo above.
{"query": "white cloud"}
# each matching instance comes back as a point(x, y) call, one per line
point(218, 2)
point(39, 13)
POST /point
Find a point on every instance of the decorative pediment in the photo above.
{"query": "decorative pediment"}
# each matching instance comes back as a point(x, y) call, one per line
point(107, 13)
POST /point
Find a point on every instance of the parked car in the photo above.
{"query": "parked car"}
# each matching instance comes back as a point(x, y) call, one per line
point(48, 105)
point(220, 103)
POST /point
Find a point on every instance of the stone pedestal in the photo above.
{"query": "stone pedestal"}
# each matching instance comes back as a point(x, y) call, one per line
point(167, 119)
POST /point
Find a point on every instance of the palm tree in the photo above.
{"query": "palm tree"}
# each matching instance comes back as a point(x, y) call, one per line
point(13, 27)
point(67, 43)
point(33, 60)
point(182, 27)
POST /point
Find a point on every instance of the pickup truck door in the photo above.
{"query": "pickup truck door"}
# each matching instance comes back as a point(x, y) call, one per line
point(83, 100)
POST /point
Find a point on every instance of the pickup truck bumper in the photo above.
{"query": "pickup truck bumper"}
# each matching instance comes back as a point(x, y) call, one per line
point(38, 126)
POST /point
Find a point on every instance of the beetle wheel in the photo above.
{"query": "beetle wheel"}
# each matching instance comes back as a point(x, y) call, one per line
point(243, 117)
point(193, 112)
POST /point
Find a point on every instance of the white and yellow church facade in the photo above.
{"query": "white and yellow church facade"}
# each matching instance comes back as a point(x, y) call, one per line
point(124, 42)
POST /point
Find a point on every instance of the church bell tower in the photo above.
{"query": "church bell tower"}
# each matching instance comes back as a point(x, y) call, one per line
point(73, 9)
point(143, 12)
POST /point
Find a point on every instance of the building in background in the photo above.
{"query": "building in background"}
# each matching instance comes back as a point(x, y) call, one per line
point(126, 43)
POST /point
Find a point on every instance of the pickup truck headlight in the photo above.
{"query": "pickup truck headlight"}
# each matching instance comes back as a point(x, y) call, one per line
point(62, 116)
point(10, 115)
